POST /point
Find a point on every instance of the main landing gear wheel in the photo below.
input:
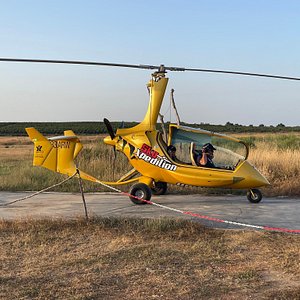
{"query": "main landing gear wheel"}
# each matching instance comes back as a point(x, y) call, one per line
point(254, 195)
point(140, 190)
point(159, 188)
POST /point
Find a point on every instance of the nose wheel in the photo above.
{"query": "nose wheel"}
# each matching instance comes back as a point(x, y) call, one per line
point(159, 188)
point(254, 195)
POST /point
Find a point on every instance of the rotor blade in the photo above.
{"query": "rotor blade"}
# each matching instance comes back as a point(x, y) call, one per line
point(76, 62)
point(161, 68)
point(233, 72)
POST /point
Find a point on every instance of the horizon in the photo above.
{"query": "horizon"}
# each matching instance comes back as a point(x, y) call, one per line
point(228, 123)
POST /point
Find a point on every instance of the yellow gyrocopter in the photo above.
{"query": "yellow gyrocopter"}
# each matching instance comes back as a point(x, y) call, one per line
point(154, 166)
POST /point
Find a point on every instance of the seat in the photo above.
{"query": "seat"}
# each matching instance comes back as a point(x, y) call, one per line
point(192, 154)
point(195, 155)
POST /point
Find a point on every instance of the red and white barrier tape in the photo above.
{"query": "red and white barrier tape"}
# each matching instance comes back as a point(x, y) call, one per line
point(195, 215)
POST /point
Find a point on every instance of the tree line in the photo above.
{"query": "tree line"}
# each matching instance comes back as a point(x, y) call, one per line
point(90, 128)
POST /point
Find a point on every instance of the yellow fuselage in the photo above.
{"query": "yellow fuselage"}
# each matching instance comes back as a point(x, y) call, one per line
point(147, 154)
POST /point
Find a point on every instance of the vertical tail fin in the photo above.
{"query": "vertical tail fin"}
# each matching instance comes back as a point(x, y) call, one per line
point(56, 154)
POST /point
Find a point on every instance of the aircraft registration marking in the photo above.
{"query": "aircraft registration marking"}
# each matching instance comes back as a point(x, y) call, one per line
point(60, 144)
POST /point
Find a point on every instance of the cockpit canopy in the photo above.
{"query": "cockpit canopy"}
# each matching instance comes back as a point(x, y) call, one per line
point(229, 151)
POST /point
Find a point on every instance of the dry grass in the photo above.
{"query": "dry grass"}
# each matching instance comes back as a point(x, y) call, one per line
point(282, 168)
point(277, 156)
point(111, 258)
point(14, 148)
point(17, 172)
point(144, 259)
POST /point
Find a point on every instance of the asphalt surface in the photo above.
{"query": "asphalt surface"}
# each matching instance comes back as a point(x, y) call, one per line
point(272, 212)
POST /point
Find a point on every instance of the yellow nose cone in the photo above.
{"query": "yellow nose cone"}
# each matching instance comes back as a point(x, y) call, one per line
point(252, 177)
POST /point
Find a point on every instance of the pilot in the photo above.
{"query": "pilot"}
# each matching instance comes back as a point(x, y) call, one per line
point(207, 156)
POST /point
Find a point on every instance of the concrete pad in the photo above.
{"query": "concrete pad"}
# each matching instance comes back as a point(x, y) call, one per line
point(272, 212)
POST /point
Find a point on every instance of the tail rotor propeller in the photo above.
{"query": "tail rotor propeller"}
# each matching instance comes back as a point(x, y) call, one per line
point(109, 128)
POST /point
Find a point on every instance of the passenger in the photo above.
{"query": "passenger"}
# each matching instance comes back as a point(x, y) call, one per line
point(207, 156)
point(172, 152)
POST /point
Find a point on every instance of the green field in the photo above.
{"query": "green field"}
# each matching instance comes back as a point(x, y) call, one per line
point(90, 128)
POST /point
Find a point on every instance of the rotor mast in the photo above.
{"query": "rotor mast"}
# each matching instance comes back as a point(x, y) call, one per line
point(157, 87)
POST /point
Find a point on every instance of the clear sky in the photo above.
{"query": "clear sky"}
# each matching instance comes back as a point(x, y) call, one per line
point(260, 36)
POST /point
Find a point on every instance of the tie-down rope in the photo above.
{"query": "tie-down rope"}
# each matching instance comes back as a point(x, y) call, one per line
point(39, 192)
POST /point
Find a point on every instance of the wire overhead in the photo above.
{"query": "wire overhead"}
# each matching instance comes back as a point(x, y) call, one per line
point(159, 68)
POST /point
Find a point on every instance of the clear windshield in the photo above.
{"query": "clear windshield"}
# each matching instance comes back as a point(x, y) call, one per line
point(227, 154)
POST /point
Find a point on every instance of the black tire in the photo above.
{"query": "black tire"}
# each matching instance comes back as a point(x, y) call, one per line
point(254, 195)
point(142, 191)
point(159, 188)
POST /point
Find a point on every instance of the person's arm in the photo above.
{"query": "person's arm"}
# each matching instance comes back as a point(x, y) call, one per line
point(203, 160)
